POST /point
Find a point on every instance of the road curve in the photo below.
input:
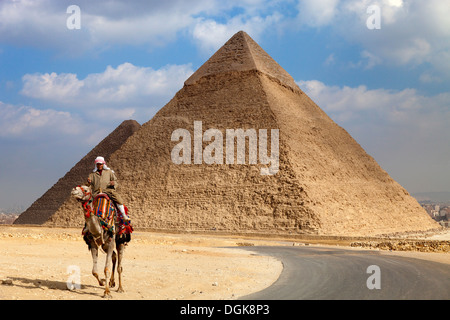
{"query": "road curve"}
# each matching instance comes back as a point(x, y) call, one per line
point(333, 273)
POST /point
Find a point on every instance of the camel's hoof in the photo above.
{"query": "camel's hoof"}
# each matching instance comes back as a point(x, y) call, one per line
point(120, 290)
point(112, 284)
point(107, 295)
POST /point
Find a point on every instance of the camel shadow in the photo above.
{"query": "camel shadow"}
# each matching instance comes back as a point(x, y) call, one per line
point(44, 284)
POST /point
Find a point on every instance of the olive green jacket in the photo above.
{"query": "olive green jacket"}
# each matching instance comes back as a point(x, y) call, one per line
point(102, 181)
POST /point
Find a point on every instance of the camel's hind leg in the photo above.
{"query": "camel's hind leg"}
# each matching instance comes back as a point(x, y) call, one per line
point(120, 250)
point(112, 282)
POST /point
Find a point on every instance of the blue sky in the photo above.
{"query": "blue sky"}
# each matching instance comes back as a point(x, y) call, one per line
point(63, 90)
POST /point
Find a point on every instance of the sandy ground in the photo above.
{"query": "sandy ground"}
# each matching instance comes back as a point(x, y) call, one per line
point(35, 263)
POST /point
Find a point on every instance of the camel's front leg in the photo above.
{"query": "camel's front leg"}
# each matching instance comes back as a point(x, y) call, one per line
point(120, 250)
point(94, 253)
point(109, 254)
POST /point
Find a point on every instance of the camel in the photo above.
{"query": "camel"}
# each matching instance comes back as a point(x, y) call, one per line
point(96, 236)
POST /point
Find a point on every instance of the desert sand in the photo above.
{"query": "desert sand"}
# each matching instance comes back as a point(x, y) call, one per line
point(34, 264)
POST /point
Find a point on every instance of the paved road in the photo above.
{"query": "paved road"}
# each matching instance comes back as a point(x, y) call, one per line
point(327, 273)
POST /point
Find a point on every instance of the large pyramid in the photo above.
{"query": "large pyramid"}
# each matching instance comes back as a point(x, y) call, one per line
point(46, 206)
point(325, 184)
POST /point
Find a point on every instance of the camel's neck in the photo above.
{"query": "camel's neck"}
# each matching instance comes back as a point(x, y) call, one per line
point(87, 206)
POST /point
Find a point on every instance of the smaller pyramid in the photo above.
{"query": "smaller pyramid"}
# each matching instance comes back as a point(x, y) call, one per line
point(44, 207)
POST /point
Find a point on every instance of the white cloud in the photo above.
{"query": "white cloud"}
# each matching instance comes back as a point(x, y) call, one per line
point(153, 28)
point(121, 91)
point(406, 107)
point(211, 35)
point(317, 13)
point(51, 86)
point(405, 131)
point(413, 32)
point(412, 51)
point(42, 23)
point(27, 122)
point(368, 61)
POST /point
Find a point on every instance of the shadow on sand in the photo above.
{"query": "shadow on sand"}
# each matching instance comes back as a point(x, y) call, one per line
point(45, 284)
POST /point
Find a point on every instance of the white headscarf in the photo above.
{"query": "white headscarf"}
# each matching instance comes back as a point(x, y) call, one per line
point(100, 160)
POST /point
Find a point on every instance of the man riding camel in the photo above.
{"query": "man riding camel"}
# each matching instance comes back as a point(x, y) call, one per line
point(103, 179)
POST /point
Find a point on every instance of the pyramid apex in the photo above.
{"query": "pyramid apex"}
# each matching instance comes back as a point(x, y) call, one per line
point(130, 123)
point(242, 53)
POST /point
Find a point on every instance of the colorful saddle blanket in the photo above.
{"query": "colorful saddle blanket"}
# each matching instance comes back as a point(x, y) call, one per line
point(105, 210)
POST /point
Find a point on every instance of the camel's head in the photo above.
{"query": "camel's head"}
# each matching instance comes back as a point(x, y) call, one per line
point(81, 193)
